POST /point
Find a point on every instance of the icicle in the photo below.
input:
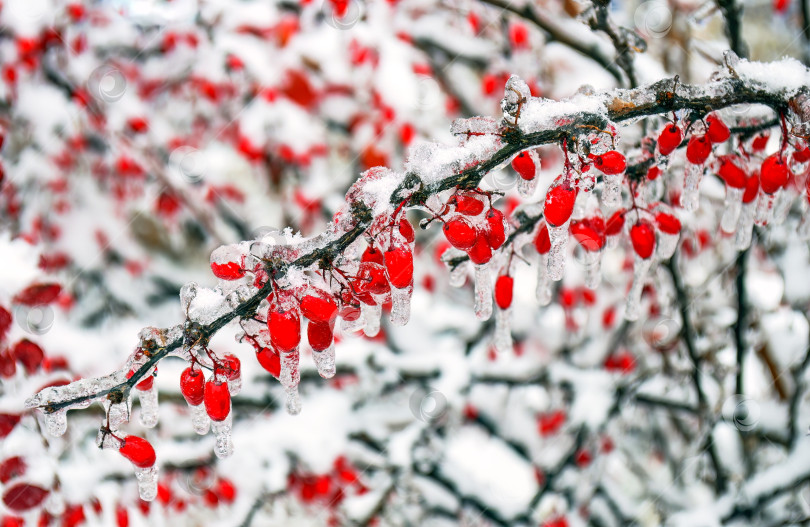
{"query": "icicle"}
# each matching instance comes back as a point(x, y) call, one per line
point(732, 208)
point(640, 268)
point(458, 275)
point(593, 268)
point(666, 245)
point(290, 376)
point(784, 200)
point(556, 256)
point(526, 187)
point(350, 326)
point(483, 292)
point(222, 430)
point(371, 317)
point(503, 335)
point(691, 186)
point(149, 406)
point(56, 422)
point(401, 305)
point(325, 361)
point(147, 482)
point(612, 190)
point(745, 226)
point(199, 419)
point(764, 210)
point(543, 290)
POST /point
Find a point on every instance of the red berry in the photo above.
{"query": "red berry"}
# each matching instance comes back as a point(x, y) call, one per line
point(698, 149)
point(399, 266)
point(371, 279)
point(668, 223)
point(8, 368)
point(460, 233)
point(716, 130)
point(731, 173)
point(232, 366)
point(760, 142)
point(621, 362)
point(138, 450)
point(773, 174)
point(481, 252)
point(489, 83)
point(11, 468)
point(217, 400)
point(559, 204)
point(121, 516)
point(22, 496)
point(751, 189)
point(319, 335)
point(319, 306)
point(227, 271)
point(285, 328)
point(524, 166)
point(589, 232)
point(611, 163)
point(372, 255)
point(7, 423)
point(615, 223)
point(28, 354)
point(503, 291)
point(583, 458)
point(542, 242)
point(669, 139)
point(270, 361)
point(406, 230)
point(643, 238)
point(548, 424)
point(38, 294)
point(654, 172)
point(192, 386)
point(802, 154)
point(5, 322)
point(144, 384)
point(496, 234)
point(518, 35)
point(468, 205)
point(225, 490)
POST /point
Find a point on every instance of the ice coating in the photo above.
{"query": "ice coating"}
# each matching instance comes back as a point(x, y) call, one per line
point(401, 305)
point(223, 445)
point(543, 290)
point(745, 226)
point(433, 162)
point(56, 423)
point(691, 186)
point(147, 482)
point(325, 361)
point(593, 268)
point(149, 406)
point(371, 316)
point(516, 93)
point(290, 376)
point(731, 209)
point(612, 190)
point(641, 266)
point(503, 333)
point(526, 187)
point(200, 421)
point(555, 263)
point(458, 275)
point(483, 292)
point(781, 207)
point(474, 126)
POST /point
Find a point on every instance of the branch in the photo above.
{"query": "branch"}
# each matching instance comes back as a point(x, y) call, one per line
point(541, 122)
point(732, 13)
point(600, 21)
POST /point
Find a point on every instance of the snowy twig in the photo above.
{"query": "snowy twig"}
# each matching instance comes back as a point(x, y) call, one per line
point(558, 33)
point(739, 325)
point(600, 21)
point(732, 13)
